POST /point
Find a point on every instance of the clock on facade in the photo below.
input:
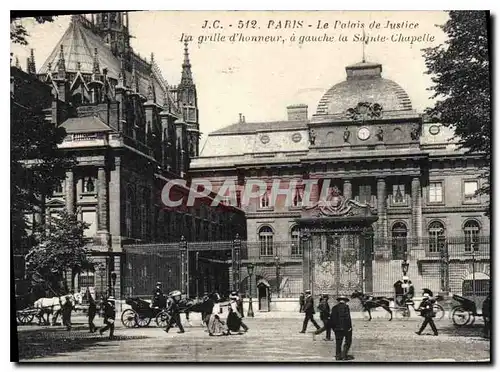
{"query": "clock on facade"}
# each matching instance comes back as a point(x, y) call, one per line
point(363, 133)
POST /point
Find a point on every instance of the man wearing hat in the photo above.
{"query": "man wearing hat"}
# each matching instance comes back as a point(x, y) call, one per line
point(427, 312)
point(109, 316)
point(158, 298)
point(175, 312)
point(309, 311)
point(324, 315)
point(341, 323)
point(234, 318)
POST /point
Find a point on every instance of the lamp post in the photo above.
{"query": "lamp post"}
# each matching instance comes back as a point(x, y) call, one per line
point(113, 283)
point(277, 262)
point(250, 268)
point(405, 265)
point(102, 271)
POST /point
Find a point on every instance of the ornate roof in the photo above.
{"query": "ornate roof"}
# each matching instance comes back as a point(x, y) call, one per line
point(364, 83)
point(79, 45)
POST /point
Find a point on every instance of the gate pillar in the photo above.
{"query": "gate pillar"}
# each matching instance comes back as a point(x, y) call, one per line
point(367, 257)
point(184, 266)
point(306, 260)
point(236, 264)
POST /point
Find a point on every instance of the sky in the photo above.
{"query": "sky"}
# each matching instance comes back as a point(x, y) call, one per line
point(260, 79)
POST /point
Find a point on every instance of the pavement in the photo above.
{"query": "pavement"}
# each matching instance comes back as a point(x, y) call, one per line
point(270, 339)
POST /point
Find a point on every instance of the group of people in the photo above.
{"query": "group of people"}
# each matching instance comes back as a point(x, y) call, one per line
point(338, 319)
point(109, 314)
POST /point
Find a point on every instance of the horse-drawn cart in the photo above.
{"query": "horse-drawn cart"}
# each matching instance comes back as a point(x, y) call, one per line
point(27, 315)
point(140, 314)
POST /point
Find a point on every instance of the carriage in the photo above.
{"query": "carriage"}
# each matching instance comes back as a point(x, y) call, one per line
point(140, 314)
point(474, 292)
point(25, 311)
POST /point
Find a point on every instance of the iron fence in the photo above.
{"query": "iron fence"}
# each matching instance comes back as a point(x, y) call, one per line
point(455, 265)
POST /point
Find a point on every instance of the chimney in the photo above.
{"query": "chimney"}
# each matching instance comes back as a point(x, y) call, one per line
point(242, 118)
point(297, 112)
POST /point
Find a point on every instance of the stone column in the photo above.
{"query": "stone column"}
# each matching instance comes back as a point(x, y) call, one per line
point(102, 200)
point(347, 189)
point(416, 208)
point(115, 205)
point(70, 192)
point(382, 214)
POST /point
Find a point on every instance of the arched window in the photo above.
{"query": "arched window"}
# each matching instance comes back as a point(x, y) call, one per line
point(295, 239)
point(436, 237)
point(399, 241)
point(266, 241)
point(471, 233)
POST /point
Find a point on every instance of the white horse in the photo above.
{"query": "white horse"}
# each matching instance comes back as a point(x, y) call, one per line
point(52, 305)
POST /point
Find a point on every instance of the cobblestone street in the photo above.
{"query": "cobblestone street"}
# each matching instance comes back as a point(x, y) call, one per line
point(269, 339)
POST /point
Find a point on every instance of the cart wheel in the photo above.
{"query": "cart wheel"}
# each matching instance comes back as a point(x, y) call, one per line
point(142, 321)
point(24, 318)
point(162, 319)
point(129, 318)
point(438, 311)
point(460, 316)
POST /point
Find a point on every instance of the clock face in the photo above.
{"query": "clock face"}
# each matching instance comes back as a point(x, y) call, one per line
point(363, 133)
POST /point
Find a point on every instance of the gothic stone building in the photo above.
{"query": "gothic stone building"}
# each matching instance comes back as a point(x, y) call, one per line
point(411, 189)
point(131, 132)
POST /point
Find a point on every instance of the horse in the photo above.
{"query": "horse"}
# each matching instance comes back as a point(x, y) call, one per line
point(370, 302)
point(52, 306)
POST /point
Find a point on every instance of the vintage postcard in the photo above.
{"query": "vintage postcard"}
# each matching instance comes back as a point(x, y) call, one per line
point(251, 186)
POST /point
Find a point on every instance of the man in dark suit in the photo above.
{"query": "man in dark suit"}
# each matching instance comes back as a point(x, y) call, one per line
point(426, 309)
point(301, 302)
point(341, 323)
point(324, 315)
point(487, 316)
point(309, 311)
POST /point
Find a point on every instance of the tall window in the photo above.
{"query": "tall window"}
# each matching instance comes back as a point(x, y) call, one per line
point(399, 240)
point(435, 192)
point(471, 232)
point(265, 200)
point(365, 193)
point(266, 241)
point(58, 188)
point(295, 238)
point(128, 212)
point(470, 190)
point(398, 194)
point(436, 237)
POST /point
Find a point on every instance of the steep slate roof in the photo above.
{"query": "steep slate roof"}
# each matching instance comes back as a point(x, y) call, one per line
point(89, 124)
point(79, 43)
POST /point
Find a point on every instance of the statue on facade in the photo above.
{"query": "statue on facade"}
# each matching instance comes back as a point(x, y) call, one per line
point(347, 134)
point(415, 133)
point(380, 134)
point(312, 136)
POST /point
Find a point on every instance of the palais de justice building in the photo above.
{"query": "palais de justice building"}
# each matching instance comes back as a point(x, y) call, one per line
point(399, 189)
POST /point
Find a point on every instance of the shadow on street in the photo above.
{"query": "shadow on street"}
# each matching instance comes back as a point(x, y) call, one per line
point(38, 343)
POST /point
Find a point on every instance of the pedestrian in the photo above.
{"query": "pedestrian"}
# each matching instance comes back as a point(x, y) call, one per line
point(66, 309)
point(175, 312)
point(92, 311)
point(234, 317)
point(427, 312)
point(324, 315)
point(309, 312)
point(486, 308)
point(109, 317)
point(301, 303)
point(215, 326)
point(341, 323)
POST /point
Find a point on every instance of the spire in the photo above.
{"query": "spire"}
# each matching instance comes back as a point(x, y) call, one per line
point(96, 70)
point(122, 77)
point(151, 89)
point(61, 65)
point(31, 63)
point(187, 77)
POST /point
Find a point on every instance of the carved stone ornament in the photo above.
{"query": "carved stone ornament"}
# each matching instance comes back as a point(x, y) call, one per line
point(337, 205)
point(364, 111)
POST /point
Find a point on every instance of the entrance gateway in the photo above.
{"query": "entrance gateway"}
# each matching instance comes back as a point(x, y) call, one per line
point(337, 238)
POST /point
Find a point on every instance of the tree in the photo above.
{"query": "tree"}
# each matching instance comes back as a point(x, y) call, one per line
point(460, 71)
point(60, 248)
point(18, 33)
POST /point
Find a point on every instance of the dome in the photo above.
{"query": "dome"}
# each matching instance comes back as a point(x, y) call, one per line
point(364, 83)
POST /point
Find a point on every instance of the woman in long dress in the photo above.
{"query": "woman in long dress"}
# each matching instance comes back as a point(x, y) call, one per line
point(216, 327)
